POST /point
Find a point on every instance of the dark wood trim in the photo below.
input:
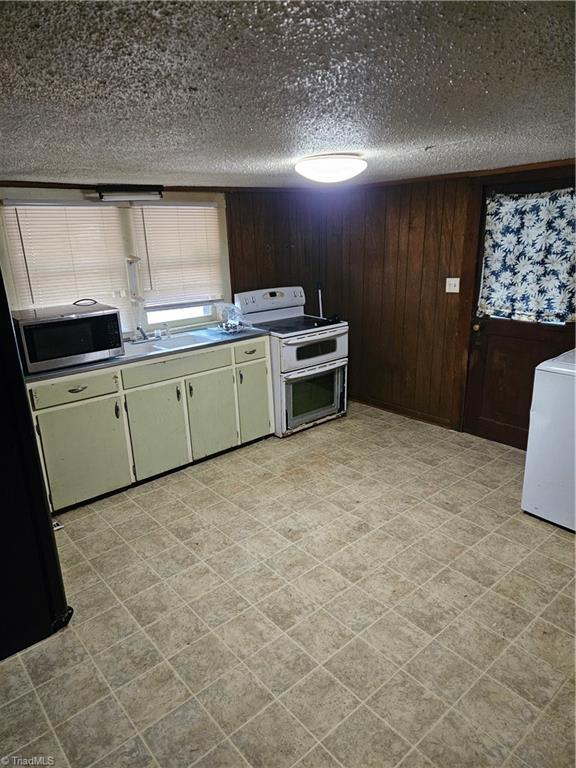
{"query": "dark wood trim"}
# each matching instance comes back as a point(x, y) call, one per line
point(511, 171)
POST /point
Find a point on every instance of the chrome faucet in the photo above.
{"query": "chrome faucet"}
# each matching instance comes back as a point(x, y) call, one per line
point(143, 335)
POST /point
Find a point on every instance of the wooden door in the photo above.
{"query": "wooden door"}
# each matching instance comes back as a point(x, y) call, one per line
point(85, 450)
point(503, 358)
point(253, 402)
point(157, 429)
point(212, 412)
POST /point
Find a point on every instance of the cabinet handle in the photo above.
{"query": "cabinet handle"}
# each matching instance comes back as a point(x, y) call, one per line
point(178, 394)
point(117, 409)
point(241, 377)
point(190, 390)
point(249, 351)
point(76, 390)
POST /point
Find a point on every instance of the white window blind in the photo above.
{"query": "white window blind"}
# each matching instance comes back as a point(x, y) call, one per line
point(59, 254)
point(182, 254)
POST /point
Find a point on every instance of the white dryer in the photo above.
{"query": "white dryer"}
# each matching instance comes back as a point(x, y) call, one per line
point(549, 477)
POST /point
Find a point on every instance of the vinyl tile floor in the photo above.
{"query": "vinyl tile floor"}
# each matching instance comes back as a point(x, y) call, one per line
point(367, 593)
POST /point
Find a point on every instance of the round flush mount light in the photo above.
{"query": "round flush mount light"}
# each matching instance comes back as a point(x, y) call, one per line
point(330, 169)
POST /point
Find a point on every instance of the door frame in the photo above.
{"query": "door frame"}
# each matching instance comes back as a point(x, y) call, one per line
point(541, 180)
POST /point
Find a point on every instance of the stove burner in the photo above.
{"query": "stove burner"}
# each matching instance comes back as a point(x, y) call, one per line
point(298, 323)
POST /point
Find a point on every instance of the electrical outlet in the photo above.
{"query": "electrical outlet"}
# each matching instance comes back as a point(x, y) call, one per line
point(452, 285)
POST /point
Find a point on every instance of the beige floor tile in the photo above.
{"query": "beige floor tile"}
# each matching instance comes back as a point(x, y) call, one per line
point(360, 667)
point(194, 582)
point(200, 663)
point(549, 643)
point(561, 613)
point(287, 606)
point(456, 743)
point(44, 750)
point(152, 695)
point(208, 542)
point(280, 664)
point(188, 527)
point(320, 635)
point(92, 601)
point(127, 659)
point(559, 548)
point(247, 633)
point(132, 754)
point(274, 739)
point(321, 584)
point(94, 731)
point(130, 581)
point(219, 605)
point(114, 560)
point(473, 641)
point(550, 573)
point(14, 681)
point(135, 527)
point(356, 609)
point(225, 755)
point(529, 676)
point(53, 656)
point(407, 706)
point(479, 567)
point(550, 744)
point(72, 691)
point(387, 586)
point(365, 740)
point(415, 565)
point(502, 549)
point(498, 711)
point(426, 611)
point(155, 602)
point(319, 702)
point(234, 698)
point(182, 736)
point(415, 759)
point(524, 591)
point(317, 758)
point(99, 542)
point(21, 720)
point(442, 671)
point(395, 637)
point(500, 615)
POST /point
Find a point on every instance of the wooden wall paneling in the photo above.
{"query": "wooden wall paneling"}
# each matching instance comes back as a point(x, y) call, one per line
point(397, 330)
point(387, 309)
point(427, 336)
point(413, 294)
point(373, 369)
point(353, 243)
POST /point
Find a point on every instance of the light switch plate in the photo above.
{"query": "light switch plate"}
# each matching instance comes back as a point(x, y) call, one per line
point(452, 285)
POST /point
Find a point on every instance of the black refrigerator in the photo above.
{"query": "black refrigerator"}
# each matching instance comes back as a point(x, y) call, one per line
point(33, 600)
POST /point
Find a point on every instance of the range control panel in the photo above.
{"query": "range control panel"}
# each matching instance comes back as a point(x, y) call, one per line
point(270, 298)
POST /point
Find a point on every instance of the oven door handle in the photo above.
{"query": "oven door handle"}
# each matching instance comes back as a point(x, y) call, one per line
point(301, 342)
point(315, 370)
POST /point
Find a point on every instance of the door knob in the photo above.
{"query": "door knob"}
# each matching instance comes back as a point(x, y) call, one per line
point(476, 327)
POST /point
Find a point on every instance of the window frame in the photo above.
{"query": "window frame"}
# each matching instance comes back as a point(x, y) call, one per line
point(30, 196)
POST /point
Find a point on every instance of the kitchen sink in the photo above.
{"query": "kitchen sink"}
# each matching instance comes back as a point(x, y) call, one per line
point(185, 340)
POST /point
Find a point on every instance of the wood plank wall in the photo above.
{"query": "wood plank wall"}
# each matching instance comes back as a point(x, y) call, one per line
point(382, 255)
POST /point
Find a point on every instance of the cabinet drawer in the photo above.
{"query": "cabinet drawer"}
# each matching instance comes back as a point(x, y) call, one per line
point(72, 390)
point(176, 367)
point(243, 353)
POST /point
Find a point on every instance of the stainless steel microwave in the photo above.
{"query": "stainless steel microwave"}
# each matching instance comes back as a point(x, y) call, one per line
point(58, 337)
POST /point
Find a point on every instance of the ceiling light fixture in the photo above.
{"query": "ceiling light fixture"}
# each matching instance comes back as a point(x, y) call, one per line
point(330, 169)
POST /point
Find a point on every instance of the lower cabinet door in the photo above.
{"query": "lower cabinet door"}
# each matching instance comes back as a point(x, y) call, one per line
point(85, 450)
point(212, 412)
point(157, 429)
point(252, 385)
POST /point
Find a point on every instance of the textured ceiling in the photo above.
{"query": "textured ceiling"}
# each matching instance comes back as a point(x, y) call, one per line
point(232, 93)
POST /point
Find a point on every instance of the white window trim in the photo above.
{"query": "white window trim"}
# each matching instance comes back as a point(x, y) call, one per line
point(27, 196)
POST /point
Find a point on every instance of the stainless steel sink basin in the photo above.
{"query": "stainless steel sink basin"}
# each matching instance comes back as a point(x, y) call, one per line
point(185, 340)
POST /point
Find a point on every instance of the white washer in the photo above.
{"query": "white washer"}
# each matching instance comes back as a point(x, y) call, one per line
point(549, 481)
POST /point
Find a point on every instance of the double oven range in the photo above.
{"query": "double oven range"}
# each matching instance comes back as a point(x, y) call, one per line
point(309, 357)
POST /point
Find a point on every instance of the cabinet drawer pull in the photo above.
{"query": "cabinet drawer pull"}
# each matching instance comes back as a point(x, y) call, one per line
point(178, 394)
point(249, 351)
point(76, 390)
point(241, 377)
point(190, 390)
point(117, 410)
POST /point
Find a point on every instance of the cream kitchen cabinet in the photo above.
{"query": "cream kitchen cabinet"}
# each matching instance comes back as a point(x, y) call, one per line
point(157, 424)
point(212, 412)
point(85, 450)
point(252, 383)
point(103, 430)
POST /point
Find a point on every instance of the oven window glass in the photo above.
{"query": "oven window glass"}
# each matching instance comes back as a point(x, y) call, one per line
point(314, 394)
point(317, 349)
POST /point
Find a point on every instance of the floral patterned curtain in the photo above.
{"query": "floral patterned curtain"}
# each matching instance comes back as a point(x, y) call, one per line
point(530, 257)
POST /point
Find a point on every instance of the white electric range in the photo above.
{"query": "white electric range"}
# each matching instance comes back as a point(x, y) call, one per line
point(309, 357)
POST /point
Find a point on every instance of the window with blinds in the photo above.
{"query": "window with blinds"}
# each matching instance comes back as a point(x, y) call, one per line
point(58, 254)
point(181, 254)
